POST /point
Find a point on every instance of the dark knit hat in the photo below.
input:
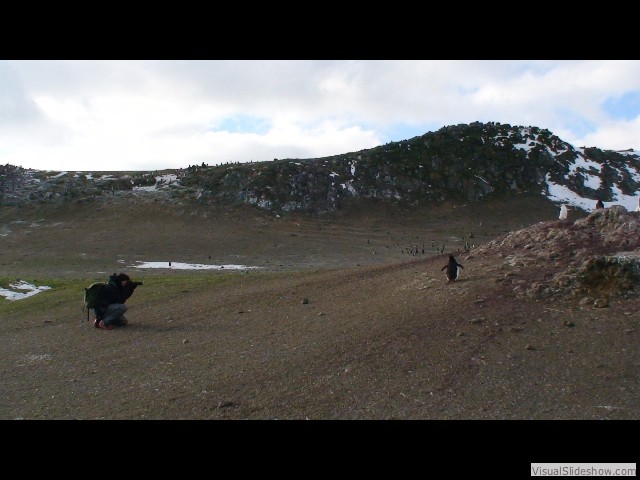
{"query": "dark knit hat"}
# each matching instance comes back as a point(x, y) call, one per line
point(123, 276)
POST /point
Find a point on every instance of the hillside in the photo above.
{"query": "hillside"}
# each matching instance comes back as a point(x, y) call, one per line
point(333, 332)
point(461, 163)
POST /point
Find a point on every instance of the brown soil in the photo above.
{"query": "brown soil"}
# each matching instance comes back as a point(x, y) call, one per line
point(341, 323)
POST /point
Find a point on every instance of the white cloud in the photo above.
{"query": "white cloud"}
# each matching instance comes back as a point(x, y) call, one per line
point(147, 115)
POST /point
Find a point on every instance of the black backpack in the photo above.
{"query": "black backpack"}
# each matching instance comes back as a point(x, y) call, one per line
point(93, 297)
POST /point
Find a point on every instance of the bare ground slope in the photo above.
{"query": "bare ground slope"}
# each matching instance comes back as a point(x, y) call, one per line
point(327, 330)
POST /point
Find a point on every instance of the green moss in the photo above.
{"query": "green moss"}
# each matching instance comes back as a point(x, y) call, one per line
point(71, 291)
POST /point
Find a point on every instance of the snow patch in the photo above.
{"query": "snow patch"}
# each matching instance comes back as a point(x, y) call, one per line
point(11, 294)
point(162, 181)
point(190, 266)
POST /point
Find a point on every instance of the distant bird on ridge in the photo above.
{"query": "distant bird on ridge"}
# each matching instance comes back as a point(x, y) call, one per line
point(563, 212)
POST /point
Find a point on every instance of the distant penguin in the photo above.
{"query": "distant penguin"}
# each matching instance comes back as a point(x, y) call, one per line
point(452, 269)
point(599, 204)
point(563, 212)
point(638, 207)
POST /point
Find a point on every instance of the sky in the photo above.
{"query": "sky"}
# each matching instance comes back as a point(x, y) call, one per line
point(114, 115)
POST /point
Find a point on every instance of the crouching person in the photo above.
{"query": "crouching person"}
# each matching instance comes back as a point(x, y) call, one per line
point(112, 305)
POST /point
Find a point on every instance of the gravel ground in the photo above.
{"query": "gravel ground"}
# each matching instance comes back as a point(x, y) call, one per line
point(340, 323)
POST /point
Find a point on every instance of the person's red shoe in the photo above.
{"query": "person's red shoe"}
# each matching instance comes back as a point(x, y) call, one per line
point(105, 327)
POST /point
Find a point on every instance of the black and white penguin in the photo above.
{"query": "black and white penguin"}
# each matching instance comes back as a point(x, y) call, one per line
point(564, 213)
point(452, 269)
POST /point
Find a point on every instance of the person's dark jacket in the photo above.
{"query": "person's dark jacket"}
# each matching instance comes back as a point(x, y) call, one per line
point(113, 292)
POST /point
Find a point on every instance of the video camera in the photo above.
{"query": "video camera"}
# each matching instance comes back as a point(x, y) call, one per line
point(129, 288)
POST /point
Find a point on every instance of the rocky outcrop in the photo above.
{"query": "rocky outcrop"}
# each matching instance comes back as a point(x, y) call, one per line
point(618, 273)
point(592, 258)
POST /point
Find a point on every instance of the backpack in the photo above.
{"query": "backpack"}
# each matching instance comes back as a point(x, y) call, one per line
point(93, 296)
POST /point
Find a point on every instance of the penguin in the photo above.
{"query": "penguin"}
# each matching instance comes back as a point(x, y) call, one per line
point(452, 269)
point(638, 207)
point(599, 204)
point(563, 212)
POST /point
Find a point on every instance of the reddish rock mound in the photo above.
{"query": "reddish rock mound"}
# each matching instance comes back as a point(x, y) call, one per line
point(593, 257)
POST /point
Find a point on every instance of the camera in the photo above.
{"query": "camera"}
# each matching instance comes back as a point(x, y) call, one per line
point(129, 288)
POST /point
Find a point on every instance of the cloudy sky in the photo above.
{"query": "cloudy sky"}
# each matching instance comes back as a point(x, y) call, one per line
point(148, 115)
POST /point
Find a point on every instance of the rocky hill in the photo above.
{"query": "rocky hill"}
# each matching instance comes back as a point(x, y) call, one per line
point(591, 260)
point(462, 162)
